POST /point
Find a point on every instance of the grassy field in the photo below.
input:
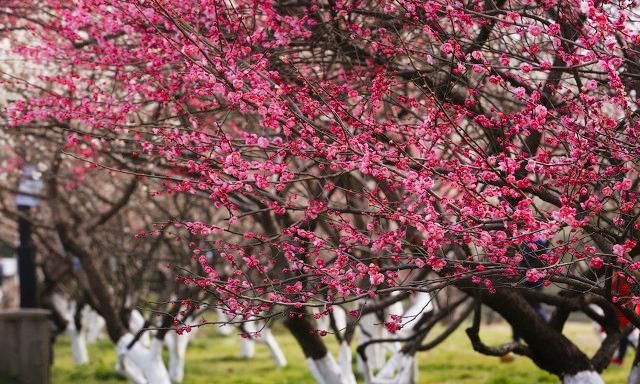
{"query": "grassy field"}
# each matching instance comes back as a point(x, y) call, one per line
point(214, 359)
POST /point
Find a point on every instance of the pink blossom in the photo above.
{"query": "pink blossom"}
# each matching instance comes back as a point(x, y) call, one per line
point(564, 214)
point(190, 50)
point(618, 250)
point(489, 285)
point(263, 142)
point(376, 279)
point(534, 275)
point(519, 92)
point(597, 262)
point(446, 48)
point(553, 29)
point(237, 83)
point(331, 142)
point(392, 326)
point(297, 287)
point(534, 30)
point(615, 62)
point(623, 185)
point(541, 112)
point(436, 263)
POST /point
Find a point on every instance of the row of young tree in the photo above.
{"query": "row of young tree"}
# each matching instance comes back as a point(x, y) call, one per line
point(290, 158)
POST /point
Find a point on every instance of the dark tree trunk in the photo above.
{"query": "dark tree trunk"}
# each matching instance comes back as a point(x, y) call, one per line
point(26, 261)
point(304, 331)
point(105, 305)
point(550, 349)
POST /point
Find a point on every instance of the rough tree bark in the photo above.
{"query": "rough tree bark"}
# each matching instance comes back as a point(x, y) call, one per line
point(548, 347)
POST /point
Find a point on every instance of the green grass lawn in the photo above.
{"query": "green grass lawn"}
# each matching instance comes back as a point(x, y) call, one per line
point(214, 359)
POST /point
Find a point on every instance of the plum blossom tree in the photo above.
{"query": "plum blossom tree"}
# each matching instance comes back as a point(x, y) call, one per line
point(93, 268)
point(351, 147)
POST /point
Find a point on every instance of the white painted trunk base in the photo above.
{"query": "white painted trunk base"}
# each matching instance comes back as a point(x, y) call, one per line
point(634, 337)
point(93, 323)
point(370, 328)
point(344, 362)
point(267, 338)
point(423, 303)
point(247, 344)
point(177, 346)
point(78, 345)
point(247, 348)
point(136, 323)
point(340, 318)
point(396, 308)
point(224, 328)
point(323, 321)
point(400, 369)
point(67, 309)
point(142, 365)
point(326, 370)
point(584, 377)
point(634, 376)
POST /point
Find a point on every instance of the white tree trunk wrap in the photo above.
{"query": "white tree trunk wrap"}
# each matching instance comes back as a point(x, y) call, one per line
point(67, 310)
point(247, 344)
point(400, 369)
point(323, 321)
point(136, 323)
point(78, 344)
point(633, 337)
point(93, 323)
point(326, 371)
point(142, 365)
point(634, 375)
point(344, 362)
point(340, 318)
point(423, 303)
point(259, 333)
point(395, 308)
point(224, 328)
point(370, 328)
point(267, 338)
point(247, 347)
point(584, 377)
point(177, 346)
